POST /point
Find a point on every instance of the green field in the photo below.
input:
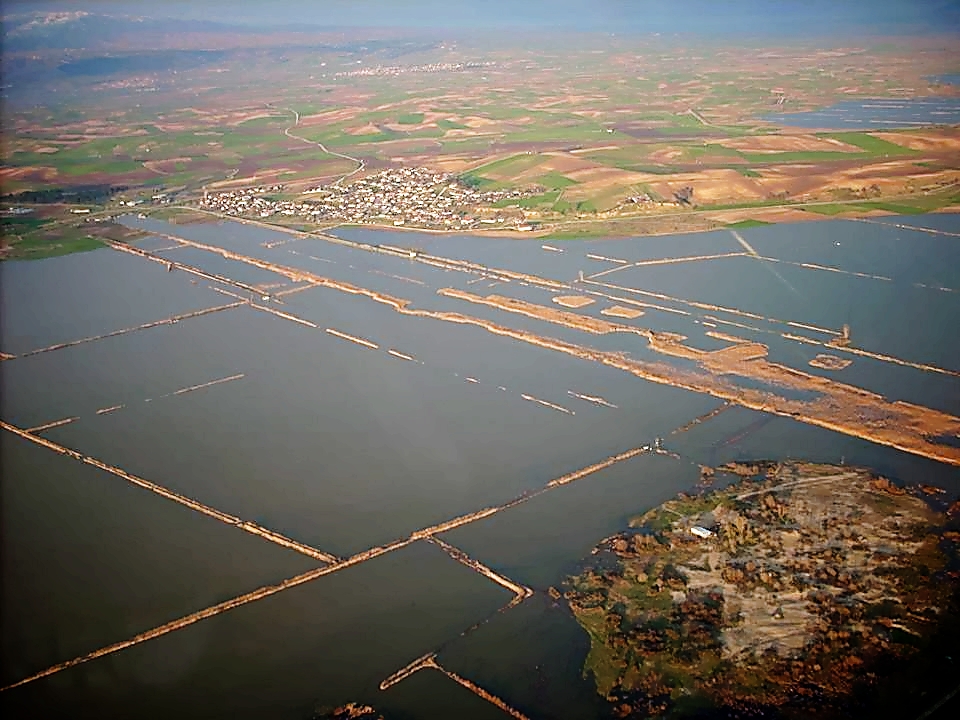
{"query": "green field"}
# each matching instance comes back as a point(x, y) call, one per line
point(20, 225)
point(35, 239)
point(410, 118)
point(543, 201)
point(869, 143)
point(584, 110)
point(264, 122)
point(555, 181)
point(509, 165)
point(577, 234)
point(748, 223)
point(905, 206)
point(38, 249)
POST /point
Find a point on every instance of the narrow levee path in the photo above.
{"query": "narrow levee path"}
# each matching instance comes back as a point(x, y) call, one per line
point(195, 505)
point(267, 591)
point(838, 406)
point(145, 326)
point(208, 612)
point(430, 661)
point(703, 418)
point(480, 692)
point(173, 264)
point(120, 406)
point(901, 226)
point(520, 591)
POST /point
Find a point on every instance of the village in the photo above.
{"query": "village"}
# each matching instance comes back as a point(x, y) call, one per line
point(382, 70)
point(398, 196)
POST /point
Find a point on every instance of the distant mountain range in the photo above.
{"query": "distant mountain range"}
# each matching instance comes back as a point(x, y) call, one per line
point(98, 44)
point(100, 32)
point(782, 19)
point(71, 30)
point(302, 22)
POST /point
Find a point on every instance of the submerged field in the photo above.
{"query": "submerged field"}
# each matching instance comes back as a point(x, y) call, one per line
point(390, 452)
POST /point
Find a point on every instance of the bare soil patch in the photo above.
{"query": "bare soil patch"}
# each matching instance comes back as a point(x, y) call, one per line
point(28, 172)
point(585, 151)
point(788, 143)
point(601, 177)
point(174, 127)
point(771, 215)
point(474, 121)
point(448, 163)
point(165, 166)
point(573, 301)
point(429, 122)
point(238, 118)
point(368, 129)
point(565, 163)
point(622, 312)
point(830, 362)
point(666, 155)
point(709, 185)
point(458, 133)
point(328, 118)
point(947, 141)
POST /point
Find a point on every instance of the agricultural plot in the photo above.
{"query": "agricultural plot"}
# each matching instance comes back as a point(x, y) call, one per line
point(611, 125)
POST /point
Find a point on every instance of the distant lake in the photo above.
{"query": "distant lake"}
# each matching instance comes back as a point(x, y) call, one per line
point(879, 114)
point(946, 79)
point(151, 62)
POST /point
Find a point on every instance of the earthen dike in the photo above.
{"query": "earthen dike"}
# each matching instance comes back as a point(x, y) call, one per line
point(835, 406)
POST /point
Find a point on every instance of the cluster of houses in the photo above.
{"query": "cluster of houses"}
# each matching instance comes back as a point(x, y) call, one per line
point(380, 70)
point(245, 201)
point(399, 196)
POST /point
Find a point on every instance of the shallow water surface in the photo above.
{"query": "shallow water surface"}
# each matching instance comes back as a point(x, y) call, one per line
point(875, 114)
point(335, 420)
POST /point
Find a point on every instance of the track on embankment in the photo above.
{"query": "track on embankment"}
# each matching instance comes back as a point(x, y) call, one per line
point(426, 533)
point(429, 661)
point(195, 505)
point(145, 326)
point(843, 408)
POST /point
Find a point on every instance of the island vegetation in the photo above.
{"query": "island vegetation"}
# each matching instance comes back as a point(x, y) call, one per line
point(799, 590)
point(350, 711)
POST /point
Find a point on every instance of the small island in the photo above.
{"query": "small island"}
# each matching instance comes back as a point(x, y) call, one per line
point(573, 301)
point(830, 362)
point(622, 312)
point(350, 711)
point(798, 590)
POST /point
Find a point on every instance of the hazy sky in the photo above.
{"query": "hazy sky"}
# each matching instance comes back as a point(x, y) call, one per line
point(785, 17)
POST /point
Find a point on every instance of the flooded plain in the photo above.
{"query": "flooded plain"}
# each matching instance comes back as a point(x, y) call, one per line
point(240, 482)
point(875, 114)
